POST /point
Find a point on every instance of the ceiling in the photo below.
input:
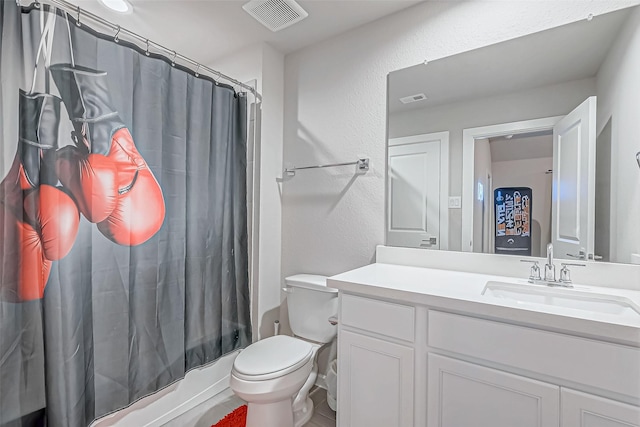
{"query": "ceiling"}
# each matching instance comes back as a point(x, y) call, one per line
point(205, 30)
point(570, 52)
point(525, 146)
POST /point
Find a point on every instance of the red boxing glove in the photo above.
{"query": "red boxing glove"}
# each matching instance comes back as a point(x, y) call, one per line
point(140, 209)
point(91, 178)
point(38, 221)
point(57, 219)
point(24, 269)
point(135, 205)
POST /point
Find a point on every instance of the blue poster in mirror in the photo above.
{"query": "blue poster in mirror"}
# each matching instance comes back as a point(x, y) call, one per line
point(513, 220)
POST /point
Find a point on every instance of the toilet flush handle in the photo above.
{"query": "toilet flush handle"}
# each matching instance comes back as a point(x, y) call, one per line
point(287, 290)
point(333, 320)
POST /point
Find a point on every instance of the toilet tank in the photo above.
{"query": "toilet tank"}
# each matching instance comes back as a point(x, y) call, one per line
point(310, 304)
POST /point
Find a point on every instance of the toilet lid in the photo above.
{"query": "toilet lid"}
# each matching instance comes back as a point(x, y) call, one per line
point(273, 357)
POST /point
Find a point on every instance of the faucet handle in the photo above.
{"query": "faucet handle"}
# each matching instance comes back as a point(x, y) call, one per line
point(565, 274)
point(534, 274)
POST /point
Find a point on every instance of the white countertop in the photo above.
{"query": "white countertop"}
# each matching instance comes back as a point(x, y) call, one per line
point(462, 292)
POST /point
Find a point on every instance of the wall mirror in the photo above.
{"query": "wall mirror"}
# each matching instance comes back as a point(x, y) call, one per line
point(531, 141)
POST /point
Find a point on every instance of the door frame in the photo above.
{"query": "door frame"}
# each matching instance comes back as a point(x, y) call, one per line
point(443, 137)
point(469, 137)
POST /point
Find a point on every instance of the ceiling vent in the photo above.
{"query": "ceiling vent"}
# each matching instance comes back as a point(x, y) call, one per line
point(413, 98)
point(276, 14)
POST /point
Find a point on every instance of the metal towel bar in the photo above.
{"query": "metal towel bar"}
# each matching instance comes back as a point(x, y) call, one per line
point(362, 165)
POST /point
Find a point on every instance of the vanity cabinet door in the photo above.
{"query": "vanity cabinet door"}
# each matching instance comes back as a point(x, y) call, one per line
point(375, 382)
point(586, 410)
point(465, 394)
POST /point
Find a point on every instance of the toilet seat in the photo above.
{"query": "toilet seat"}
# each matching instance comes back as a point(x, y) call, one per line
point(272, 358)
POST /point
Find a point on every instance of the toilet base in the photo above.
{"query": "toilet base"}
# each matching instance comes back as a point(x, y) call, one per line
point(270, 414)
point(302, 416)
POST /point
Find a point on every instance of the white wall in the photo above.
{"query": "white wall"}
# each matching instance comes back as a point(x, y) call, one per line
point(266, 65)
point(481, 168)
point(335, 110)
point(602, 241)
point(618, 101)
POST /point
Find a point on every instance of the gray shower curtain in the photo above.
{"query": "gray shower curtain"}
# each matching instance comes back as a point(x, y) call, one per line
point(123, 222)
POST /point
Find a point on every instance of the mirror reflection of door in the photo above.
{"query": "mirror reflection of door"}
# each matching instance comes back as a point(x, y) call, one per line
point(564, 206)
point(415, 208)
point(574, 164)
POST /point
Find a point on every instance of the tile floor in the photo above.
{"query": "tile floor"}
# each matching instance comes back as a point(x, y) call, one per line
point(214, 409)
point(323, 416)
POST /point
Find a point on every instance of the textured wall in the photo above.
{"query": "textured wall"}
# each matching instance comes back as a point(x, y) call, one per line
point(335, 110)
point(618, 89)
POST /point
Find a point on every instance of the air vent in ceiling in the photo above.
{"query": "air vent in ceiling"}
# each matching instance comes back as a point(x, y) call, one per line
point(276, 14)
point(413, 98)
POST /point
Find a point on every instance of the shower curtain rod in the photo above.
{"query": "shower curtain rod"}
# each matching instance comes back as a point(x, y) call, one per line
point(81, 13)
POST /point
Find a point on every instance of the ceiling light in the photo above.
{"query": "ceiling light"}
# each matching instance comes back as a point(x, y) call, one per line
point(120, 6)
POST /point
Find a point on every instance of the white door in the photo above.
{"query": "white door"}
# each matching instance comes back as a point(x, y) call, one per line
point(574, 162)
point(413, 206)
point(463, 394)
point(586, 410)
point(375, 384)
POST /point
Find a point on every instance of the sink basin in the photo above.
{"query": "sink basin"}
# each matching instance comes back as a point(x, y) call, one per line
point(535, 295)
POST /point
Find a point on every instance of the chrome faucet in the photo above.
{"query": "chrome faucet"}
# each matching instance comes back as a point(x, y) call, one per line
point(550, 272)
point(549, 267)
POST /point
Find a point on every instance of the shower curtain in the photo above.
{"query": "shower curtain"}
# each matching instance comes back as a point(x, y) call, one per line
point(123, 221)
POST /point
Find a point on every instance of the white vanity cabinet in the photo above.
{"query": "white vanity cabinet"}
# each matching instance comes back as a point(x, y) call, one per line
point(375, 363)
point(466, 394)
point(377, 377)
point(403, 364)
point(541, 364)
point(586, 410)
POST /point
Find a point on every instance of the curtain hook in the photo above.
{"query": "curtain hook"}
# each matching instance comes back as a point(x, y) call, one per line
point(116, 38)
point(198, 71)
point(36, 4)
point(78, 23)
point(217, 81)
point(147, 51)
point(173, 59)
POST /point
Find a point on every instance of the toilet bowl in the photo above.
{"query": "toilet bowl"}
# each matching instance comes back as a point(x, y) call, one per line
point(274, 375)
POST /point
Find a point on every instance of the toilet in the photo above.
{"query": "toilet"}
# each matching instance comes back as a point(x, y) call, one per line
point(274, 375)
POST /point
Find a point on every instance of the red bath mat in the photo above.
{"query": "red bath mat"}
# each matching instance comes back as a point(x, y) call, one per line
point(238, 418)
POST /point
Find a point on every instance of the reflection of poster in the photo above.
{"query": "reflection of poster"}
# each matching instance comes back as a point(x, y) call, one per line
point(513, 220)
